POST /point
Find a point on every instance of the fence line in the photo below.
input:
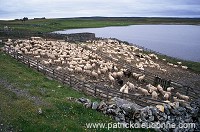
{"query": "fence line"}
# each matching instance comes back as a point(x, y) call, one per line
point(78, 84)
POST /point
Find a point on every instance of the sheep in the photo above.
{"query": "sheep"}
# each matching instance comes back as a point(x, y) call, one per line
point(78, 69)
point(94, 74)
point(184, 67)
point(170, 64)
point(160, 89)
point(163, 70)
point(183, 102)
point(87, 67)
point(115, 68)
point(104, 70)
point(144, 91)
point(111, 78)
point(37, 56)
point(70, 69)
point(154, 95)
point(141, 68)
point(166, 96)
point(98, 71)
point(184, 97)
point(123, 87)
point(179, 63)
point(136, 75)
point(120, 74)
point(175, 66)
point(87, 72)
point(72, 66)
point(151, 88)
point(57, 61)
point(169, 89)
point(153, 56)
point(141, 78)
point(131, 86)
point(45, 62)
point(58, 68)
point(126, 90)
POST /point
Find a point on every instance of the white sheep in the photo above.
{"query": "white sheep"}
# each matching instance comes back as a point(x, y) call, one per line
point(120, 74)
point(98, 71)
point(183, 102)
point(184, 67)
point(126, 90)
point(175, 66)
point(151, 88)
point(169, 89)
point(111, 78)
point(58, 68)
point(37, 56)
point(179, 63)
point(184, 97)
point(78, 69)
point(87, 72)
point(170, 64)
point(131, 85)
point(123, 87)
point(70, 69)
point(166, 96)
point(154, 95)
point(141, 78)
point(94, 74)
point(136, 75)
point(160, 89)
point(144, 91)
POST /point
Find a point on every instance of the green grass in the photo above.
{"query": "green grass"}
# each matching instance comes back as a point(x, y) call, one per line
point(49, 25)
point(193, 66)
point(58, 113)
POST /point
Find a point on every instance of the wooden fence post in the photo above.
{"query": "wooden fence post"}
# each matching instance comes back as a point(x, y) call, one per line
point(8, 50)
point(29, 65)
point(53, 73)
point(17, 56)
point(187, 90)
point(63, 78)
point(156, 79)
point(22, 58)
point(95, 90)
point(37, 66)
point(83, 86)
point(107, 97)
point(70, 80)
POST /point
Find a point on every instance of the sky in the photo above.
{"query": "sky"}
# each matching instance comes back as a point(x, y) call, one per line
point(13, 9)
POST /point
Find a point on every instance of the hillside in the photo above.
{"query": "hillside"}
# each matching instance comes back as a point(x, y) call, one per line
point(24, 92)
point(49, 25)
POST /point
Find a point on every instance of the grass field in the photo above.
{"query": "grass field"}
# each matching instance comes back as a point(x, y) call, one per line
point(19, 112)
point(49, 25)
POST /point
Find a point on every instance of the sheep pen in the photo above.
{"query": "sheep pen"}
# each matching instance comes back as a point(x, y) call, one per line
point(107, 62)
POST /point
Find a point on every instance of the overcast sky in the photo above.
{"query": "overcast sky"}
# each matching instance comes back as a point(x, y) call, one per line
point(11, 9)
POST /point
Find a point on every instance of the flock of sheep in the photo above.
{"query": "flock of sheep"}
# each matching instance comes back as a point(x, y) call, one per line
point(88, 65)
